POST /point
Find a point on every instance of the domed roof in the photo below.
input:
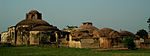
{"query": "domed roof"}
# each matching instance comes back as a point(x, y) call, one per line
point(127, 33)
point(90, 28)
point(45, 28)
point(114, 34)
point(32, 22)
point(79, 30)
point(106, 29)
point(105, 32)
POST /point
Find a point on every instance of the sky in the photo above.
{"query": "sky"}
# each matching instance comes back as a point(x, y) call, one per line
point(129, 15)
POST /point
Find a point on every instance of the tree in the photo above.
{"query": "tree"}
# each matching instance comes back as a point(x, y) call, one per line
point(129, 42)
point(142, 33)
point(72, 26)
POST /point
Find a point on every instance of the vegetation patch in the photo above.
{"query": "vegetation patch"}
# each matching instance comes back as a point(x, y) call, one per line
point(52, 51)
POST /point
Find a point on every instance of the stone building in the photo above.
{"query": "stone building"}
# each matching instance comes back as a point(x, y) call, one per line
point(83, 37)
point(137, 40)
point(12, 34)
point(32, 31)
point(108, 38)
point(88, 36)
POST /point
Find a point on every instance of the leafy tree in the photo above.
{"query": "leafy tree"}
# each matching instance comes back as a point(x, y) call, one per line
point(142, 33)
point(72, 26)
point(129, 42)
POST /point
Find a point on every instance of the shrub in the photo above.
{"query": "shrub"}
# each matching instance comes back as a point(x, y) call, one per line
point(129, 42)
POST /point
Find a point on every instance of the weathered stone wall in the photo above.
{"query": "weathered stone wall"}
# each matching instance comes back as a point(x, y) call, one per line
point(27, 37)
point(89, 43)
point(43, 37)
point(34, 39)
point(105, 42)
point(138, 42)
point(11, 31)
point(146, 43)
point(64, 40)
point(22, 38)
point(22, 35)
point(75, 44)
point(5, 37)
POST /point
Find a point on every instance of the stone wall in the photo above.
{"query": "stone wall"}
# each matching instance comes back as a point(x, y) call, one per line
point(138, 42)
point(11, 31)
point(75, 44)
point(105, 42)
point(5, 37)
point(42, 37)
point(90, 43)
point(22, 35)
point(64, 40)
point(34, 39)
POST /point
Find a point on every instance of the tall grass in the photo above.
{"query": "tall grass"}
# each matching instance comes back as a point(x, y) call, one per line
point(52, 51)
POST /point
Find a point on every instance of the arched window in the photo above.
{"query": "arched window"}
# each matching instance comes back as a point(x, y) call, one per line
point(33, 17)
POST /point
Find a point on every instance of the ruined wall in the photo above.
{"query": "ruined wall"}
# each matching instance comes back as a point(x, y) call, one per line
point(22, 38)
point(64, 40)
point(43, 37)
point(11, 31)
point(75, 44)
point(5, 37)
point(90, 43)
point(27, 37)
point(34, 39)
point(22, 35)
point(105, 42)
point(145, 44)
point(138, 42)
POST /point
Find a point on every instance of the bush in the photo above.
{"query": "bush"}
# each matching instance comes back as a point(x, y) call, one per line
point(129, 42)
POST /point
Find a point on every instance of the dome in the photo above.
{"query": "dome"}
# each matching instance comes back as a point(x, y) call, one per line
point(44, 28)
point(106, 29)
point(90, 28)
point(126, 33)
point(32, 22)
point(105, 32)
point(114, 34)
point(79, 30)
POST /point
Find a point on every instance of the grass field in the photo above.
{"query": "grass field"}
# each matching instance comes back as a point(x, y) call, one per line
point(52, 51)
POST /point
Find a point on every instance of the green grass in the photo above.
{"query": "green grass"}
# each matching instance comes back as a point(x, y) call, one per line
point(52, 51)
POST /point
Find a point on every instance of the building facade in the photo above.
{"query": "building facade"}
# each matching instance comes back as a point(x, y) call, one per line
point(33, 30)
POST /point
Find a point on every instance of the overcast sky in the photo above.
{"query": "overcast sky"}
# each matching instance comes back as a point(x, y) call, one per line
point(130, 15)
